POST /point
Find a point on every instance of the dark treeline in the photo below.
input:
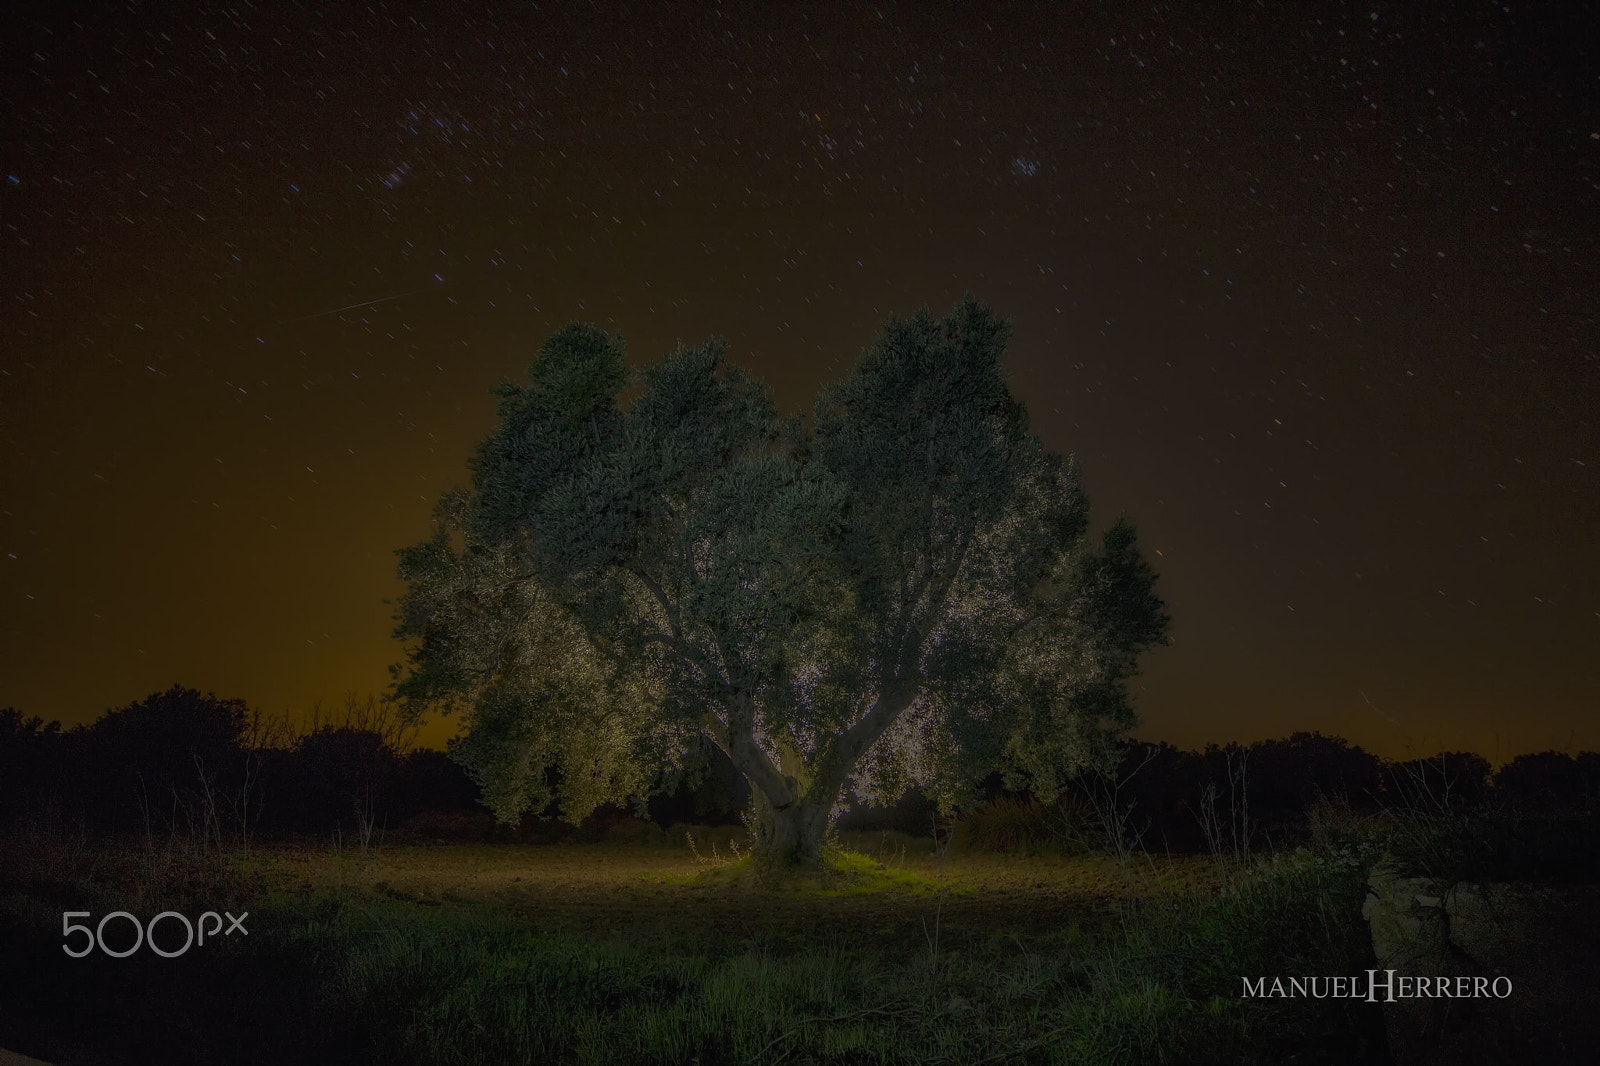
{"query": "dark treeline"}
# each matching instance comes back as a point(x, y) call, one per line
point(197, 768)
point(1260, 795)
point(184, 765)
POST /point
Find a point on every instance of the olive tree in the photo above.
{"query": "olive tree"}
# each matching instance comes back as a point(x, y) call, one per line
point(903, 593)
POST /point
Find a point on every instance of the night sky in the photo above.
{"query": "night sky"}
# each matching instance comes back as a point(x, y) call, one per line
point(1311, 290)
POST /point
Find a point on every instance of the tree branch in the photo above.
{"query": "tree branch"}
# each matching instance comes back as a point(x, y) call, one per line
point(738, 742)
point(935, 586)
point(846, 749)
point(684, 546)
point(667, 606)
point(738, 739)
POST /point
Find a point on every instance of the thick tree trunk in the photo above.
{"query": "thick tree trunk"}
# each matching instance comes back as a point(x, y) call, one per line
point(790, 836)
point(792, 822)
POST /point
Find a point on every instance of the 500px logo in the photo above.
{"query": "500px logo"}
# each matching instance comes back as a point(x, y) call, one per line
point(146, 934)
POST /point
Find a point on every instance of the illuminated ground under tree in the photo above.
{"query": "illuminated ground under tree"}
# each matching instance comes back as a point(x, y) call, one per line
point(903, 594)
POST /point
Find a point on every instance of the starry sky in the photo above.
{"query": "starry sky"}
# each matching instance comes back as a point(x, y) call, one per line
point(1309, 288)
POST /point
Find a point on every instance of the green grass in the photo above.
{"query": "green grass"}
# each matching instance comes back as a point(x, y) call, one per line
point(641, 952)
point(843, 874)
point(468, 985)
point(476, 954)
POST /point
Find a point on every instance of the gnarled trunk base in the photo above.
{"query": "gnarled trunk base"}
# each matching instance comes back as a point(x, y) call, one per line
point(790, 837)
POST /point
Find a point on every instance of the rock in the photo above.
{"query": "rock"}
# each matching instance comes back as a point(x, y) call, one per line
point(1410, 927)
point(1539, 941)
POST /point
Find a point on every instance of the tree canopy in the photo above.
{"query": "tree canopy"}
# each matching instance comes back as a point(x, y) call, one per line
point(902, 593)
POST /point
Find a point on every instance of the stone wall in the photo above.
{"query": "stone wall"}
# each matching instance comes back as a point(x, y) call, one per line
point(1542, 939)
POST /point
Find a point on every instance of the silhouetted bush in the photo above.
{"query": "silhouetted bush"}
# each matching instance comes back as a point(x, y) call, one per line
point(336, 778)
point(1233, 796)
point(182, 764)
point(1161, 789)
point(1551, 780)
point(166, 763)
point(1021, 825)
point(1448, 779)
point(711, 791)
point(1286, 778)
point(429, 780)
point(912, 814)
point(30, 763)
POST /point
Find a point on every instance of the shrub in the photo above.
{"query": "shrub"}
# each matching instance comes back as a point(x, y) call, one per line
point(1021, 825)
point(636, 831)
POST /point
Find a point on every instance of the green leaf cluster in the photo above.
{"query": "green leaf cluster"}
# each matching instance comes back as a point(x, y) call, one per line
point(904, 593)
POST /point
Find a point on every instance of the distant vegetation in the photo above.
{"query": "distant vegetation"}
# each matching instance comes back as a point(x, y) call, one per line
point(211, 772)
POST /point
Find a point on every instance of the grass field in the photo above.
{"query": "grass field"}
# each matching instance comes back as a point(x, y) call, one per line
point(620, 953)
point(900, 883)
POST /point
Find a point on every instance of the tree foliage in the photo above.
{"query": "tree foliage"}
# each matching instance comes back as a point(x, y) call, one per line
point(903, 594)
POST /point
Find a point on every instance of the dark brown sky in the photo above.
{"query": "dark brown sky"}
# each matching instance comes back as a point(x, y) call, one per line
point(1311, 290)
